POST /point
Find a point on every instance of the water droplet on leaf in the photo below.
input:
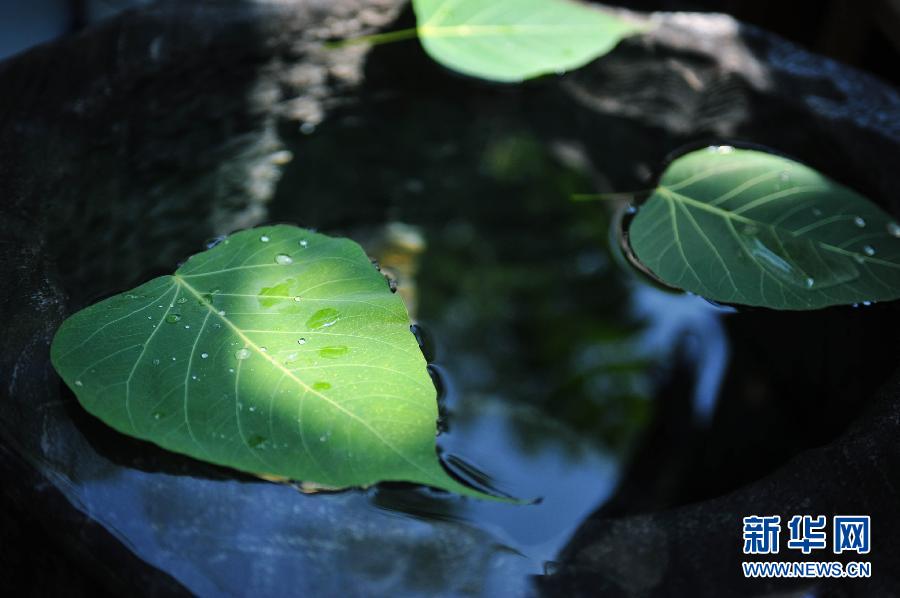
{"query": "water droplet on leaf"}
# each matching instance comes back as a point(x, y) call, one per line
point(894, 229)
point(172, 318)
point(242, 353)
point(333, 352)
point(283, 259)
point(323, 318)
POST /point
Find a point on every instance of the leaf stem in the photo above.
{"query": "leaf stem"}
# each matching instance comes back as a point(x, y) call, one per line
point(376, 38)
point(611, 196)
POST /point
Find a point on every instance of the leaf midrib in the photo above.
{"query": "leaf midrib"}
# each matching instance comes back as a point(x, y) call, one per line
point(249, 343)
point(462, 31)
point(675, 196)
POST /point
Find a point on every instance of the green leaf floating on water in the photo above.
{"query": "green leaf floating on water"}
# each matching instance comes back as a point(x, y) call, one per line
point(513, 40)
point(279, 351)
point(747, 227)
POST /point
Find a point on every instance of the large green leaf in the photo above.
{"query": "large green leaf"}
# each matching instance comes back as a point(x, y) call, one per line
point(742, 226)
point(279, 352)
point(513, 40)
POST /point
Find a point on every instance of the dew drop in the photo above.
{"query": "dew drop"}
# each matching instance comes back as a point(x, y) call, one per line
point(323, 438)
point(156, 361)
point(810, 282)
point(221, 312)
point(816, 212)
point(301, 341)
point(172, 318)
point(263, 349)
point(291, 357)
point(182, 300)
point(193, 376)
point(242, 353)
point(333, 352)
point(230, 370)
point(173, 358)
point(187, 326)
point(204, 355)
point(252, 408)
point(157, 415)
point(78, 383)
point(304, 243)
point(264, 238)
point(297, 298)
point(894, 229)
point(323, 318)
point(869, 250)
point(723, 149)
point(283, 259)
point(859, 221)
point(215, 241)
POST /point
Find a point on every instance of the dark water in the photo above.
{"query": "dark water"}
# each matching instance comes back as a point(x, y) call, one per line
point(565, 374)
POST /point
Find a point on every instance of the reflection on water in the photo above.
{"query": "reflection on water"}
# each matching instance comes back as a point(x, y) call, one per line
point(673, 319)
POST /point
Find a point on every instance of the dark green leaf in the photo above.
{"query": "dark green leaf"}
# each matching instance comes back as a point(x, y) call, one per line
point(747, 227)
